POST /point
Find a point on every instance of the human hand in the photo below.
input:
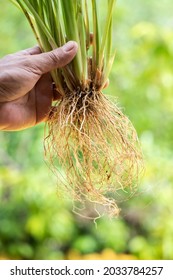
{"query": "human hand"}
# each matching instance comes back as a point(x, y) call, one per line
point(26, 91)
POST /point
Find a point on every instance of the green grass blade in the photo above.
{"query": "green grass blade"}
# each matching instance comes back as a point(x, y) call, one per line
point(106, 33)
point(87, 26)
point(69, 8)
point(96, 36)
point(39, 22)
point(82, 39)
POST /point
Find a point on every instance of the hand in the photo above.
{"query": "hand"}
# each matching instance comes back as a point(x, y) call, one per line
point(26, 91)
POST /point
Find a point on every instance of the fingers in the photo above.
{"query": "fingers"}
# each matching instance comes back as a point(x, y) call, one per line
point(30, 51)
point(34, 50)
point(45, 62)
point(43, 97)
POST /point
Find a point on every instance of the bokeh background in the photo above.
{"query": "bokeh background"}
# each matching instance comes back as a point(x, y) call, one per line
point(34, 222)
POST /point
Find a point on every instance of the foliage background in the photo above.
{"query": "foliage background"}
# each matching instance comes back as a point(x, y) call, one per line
point(34, 222)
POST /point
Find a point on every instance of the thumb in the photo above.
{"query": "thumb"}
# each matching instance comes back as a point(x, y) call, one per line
point(45, 62)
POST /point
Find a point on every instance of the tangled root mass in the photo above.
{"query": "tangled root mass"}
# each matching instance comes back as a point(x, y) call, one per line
point(93, 147)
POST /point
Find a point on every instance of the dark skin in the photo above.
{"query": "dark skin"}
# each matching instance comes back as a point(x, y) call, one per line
point(26, 91)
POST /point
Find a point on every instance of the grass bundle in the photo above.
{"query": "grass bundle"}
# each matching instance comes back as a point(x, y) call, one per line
point(90, 144)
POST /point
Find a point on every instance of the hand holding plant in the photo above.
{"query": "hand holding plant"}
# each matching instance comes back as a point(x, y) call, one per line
point(26, 91)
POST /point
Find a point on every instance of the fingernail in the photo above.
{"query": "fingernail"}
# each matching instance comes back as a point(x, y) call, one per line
point(69, 46)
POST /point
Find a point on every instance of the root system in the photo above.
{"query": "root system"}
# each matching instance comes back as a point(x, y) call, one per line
point(93, 148)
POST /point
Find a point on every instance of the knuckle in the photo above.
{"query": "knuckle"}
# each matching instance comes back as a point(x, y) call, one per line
point(8, 56)
point(55, 58)
point(32, 66)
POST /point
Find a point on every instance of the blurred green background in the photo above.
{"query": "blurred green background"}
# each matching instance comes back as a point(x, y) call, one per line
point(34, 222)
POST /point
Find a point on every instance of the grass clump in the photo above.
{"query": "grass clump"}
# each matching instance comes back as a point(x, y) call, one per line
point(90, 144)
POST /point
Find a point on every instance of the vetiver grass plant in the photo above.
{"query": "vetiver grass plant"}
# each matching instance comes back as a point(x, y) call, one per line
point(90, 144)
